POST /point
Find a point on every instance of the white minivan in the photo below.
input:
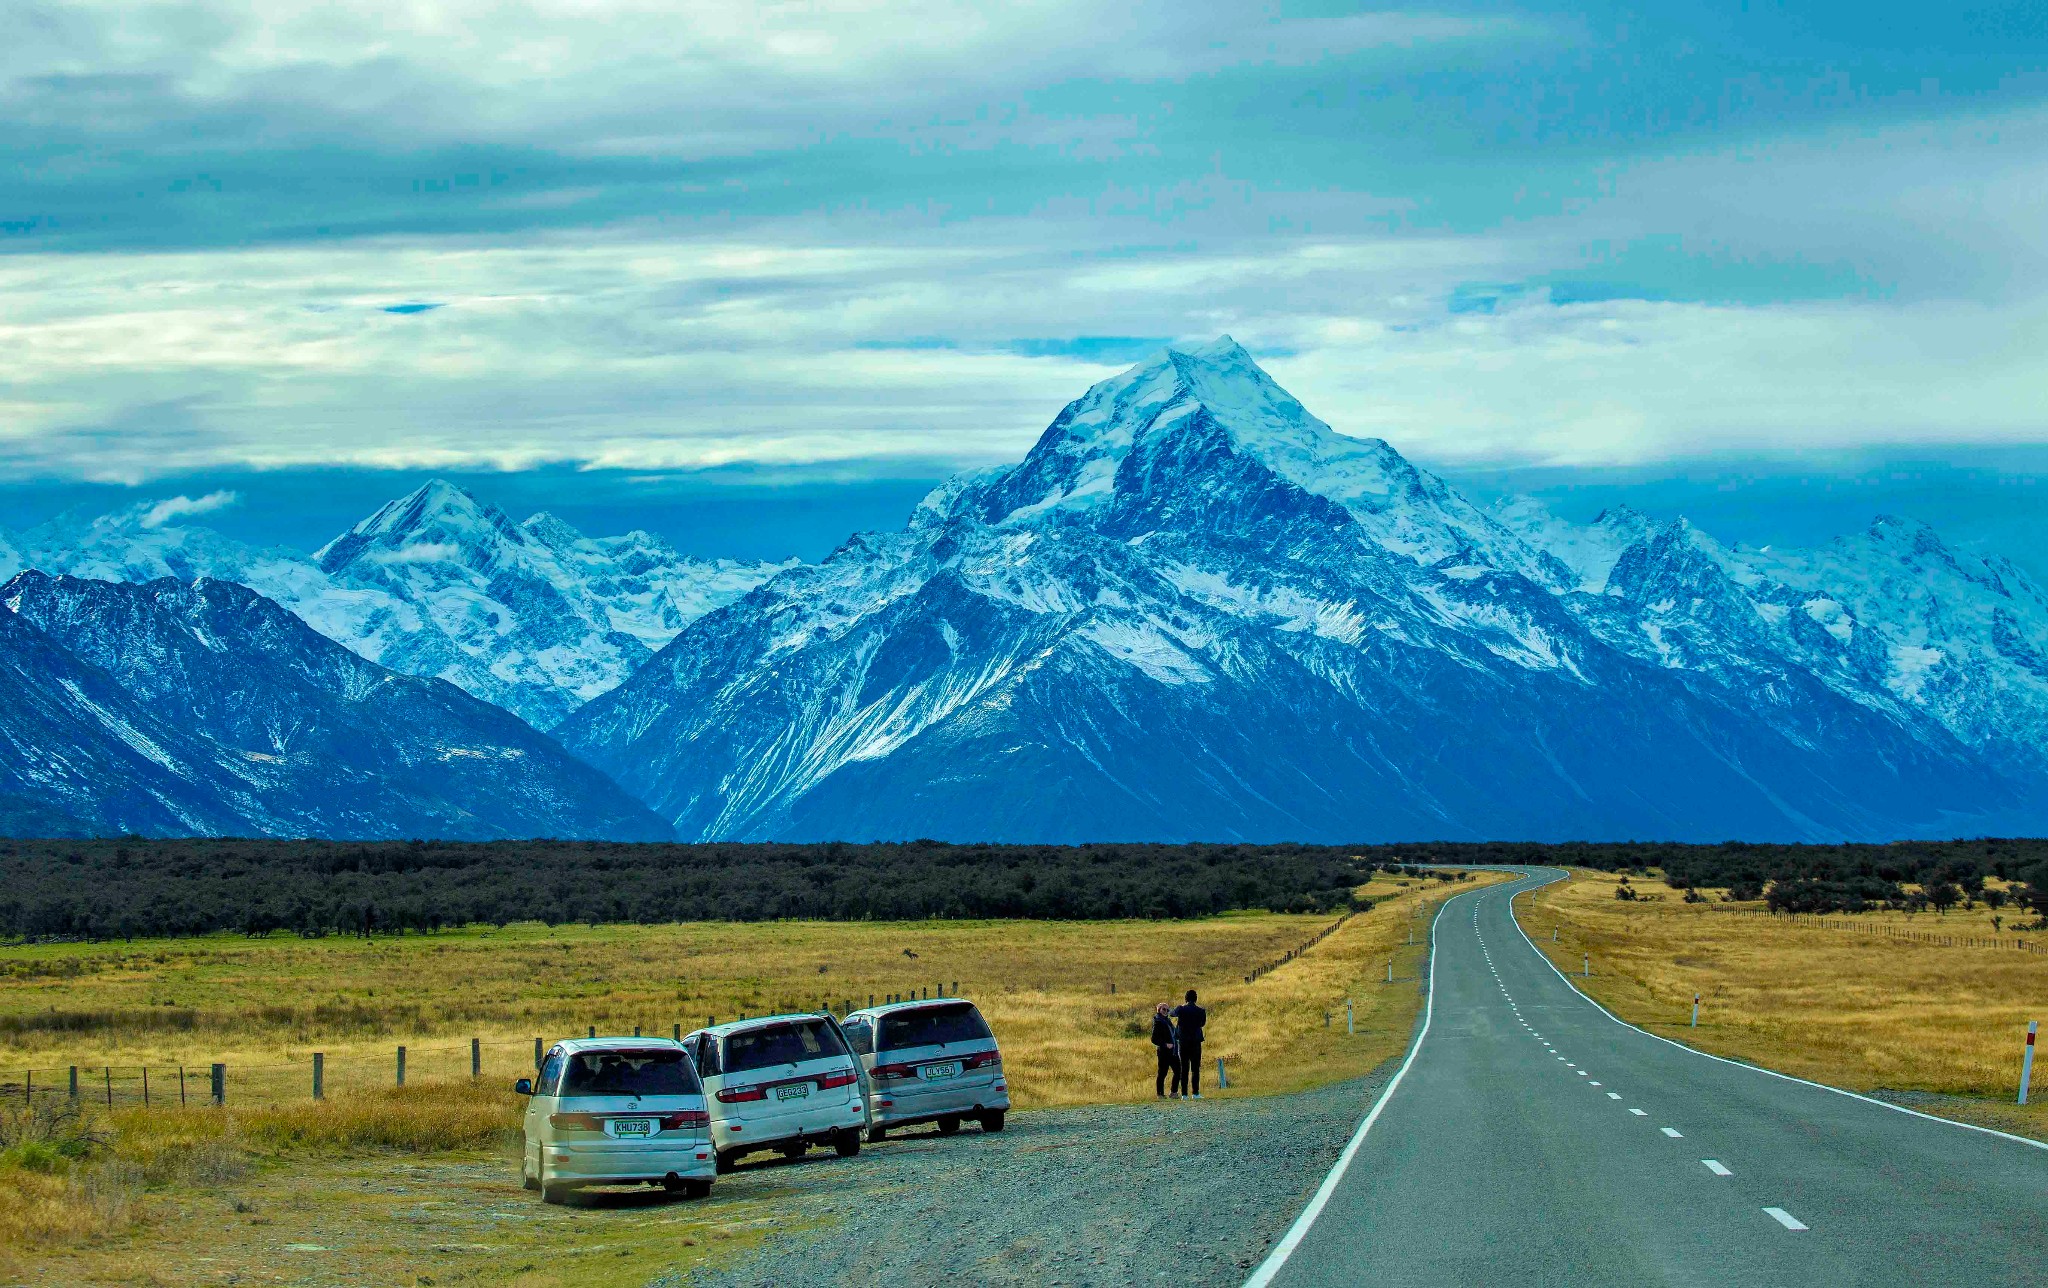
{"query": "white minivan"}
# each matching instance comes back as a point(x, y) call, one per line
point(930, 1061)
point(616, 1111)
point(780, 1082)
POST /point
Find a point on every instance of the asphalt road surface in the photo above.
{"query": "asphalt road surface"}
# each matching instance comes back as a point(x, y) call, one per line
point(1534, 1139)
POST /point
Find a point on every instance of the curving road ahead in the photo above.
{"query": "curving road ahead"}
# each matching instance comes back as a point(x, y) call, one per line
point(1533, 1139)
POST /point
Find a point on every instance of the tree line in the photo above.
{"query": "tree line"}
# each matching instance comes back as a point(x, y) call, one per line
point(1803, 878)
point(132, 886)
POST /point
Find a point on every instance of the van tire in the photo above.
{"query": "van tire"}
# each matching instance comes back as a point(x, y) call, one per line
point(696, 1188)
point(526, 1179)
point(876, 1135)
point(947, 1126)
point(847, 1143)
point(726, 1162)
point(992, 1120)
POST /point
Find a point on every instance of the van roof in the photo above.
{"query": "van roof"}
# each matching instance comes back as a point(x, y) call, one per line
point(756, 1021)
point(573, 1045)
point(887, 1008)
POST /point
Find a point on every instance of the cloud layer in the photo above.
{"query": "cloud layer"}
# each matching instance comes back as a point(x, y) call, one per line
point(638, 237)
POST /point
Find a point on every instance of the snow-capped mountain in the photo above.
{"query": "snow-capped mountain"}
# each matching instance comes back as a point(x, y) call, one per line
point(534, 617)
point(1891, 617)
point(176, 707)
point(1195, 611)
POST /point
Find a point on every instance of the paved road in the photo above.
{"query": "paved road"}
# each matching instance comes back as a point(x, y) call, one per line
point(1533, 1139)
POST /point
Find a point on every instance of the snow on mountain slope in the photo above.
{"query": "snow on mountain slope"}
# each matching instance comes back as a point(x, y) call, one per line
point(1892, 618)
point(1590, 552)
point(534, 617)
point(1193, 610)
point(244, 720)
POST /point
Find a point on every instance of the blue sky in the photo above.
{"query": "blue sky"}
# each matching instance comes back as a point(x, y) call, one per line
point(733, 272)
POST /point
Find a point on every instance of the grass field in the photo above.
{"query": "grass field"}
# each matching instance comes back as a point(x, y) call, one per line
point(139, 1204)
point(1837, 999)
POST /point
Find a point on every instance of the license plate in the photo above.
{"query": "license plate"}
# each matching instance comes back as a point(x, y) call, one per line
point(632, 1127)
point(950, 1069)
point(793, 1091)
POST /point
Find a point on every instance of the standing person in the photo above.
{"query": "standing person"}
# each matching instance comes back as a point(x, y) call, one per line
point(1188, 1023)
point(1167, 1044)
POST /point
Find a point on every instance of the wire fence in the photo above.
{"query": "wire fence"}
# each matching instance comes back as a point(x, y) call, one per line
point(1932, 939)
point(320, 1075)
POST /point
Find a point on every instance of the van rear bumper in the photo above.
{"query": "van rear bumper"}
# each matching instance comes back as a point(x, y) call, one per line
point(598, 1164)
point(892, 1110)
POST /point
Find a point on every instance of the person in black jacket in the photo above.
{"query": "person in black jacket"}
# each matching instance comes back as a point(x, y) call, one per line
point(1168, 1046)
point(1188, 1022)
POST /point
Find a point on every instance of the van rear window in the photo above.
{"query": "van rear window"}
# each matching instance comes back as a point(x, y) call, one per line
point(786, 1043)
point(655, 1072)
point(931, 1026)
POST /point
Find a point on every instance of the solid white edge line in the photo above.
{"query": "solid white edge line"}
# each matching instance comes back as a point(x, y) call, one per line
point(1786, 1219)
point(1284, 1249)
point(1737, 1064)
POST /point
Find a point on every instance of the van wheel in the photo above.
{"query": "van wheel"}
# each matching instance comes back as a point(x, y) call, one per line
point(992, 1120)
point(876, 1135)
point(847, 1143)
point(526, 1181)
point(696, 1189)
point(947, 1126)
point(795, 1149)
point(726, 1162)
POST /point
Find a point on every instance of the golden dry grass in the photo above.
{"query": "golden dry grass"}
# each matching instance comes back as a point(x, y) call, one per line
point(1832, 999)
point(264, 1006)
point(260, 1006)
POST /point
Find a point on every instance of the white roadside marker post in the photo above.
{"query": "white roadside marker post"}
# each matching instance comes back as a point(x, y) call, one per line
point(1349, 1025)
point(1588, 970)
point(1390, 970)
point(1222, 1079)
point(1695, 1010)
point(2027, 1061)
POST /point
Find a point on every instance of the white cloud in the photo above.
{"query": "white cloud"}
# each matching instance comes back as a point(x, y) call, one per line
point(176, 507)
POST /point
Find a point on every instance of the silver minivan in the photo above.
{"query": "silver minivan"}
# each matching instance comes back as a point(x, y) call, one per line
point(930, 1061)
point(616, 1111)
point(779, 1082)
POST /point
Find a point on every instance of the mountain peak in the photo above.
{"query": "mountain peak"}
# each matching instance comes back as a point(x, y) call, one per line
point(437, 516)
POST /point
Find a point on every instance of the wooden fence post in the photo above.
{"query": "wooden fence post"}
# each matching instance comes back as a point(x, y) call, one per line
point(319, 1075)
point(109, 1069)
point(536, 1054)
point(476, 1057)
point(401, 1066)
point(74, 1082)
point(220, 1084)
point(679, 1031)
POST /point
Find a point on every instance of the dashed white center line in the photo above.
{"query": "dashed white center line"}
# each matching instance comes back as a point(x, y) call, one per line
point(1672, 1132)
point(1614, 1095)
point(1784, 1218)
point(1595, 1084)
point(1640, 1113)
point(1714, 1166)
point(1582, 1073)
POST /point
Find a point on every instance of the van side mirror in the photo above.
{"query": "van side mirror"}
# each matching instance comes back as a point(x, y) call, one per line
point(524, 1086)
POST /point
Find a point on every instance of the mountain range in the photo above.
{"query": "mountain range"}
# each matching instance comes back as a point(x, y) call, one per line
point(534, 617)
point(1192, 611)
point(174, 707)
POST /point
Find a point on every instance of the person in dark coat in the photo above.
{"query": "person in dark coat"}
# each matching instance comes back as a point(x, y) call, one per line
point(1168, 1045)
point(1188, 1022)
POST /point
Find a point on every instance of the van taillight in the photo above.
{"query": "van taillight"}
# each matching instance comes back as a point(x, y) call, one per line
point(687, 1118)
point(843, 1078)
point(891, 1072)
point(740, 1095)
point(576, 1122)
point(985, 1060)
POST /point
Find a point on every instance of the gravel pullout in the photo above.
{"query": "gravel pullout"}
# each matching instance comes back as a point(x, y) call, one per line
point(1180, 1192)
